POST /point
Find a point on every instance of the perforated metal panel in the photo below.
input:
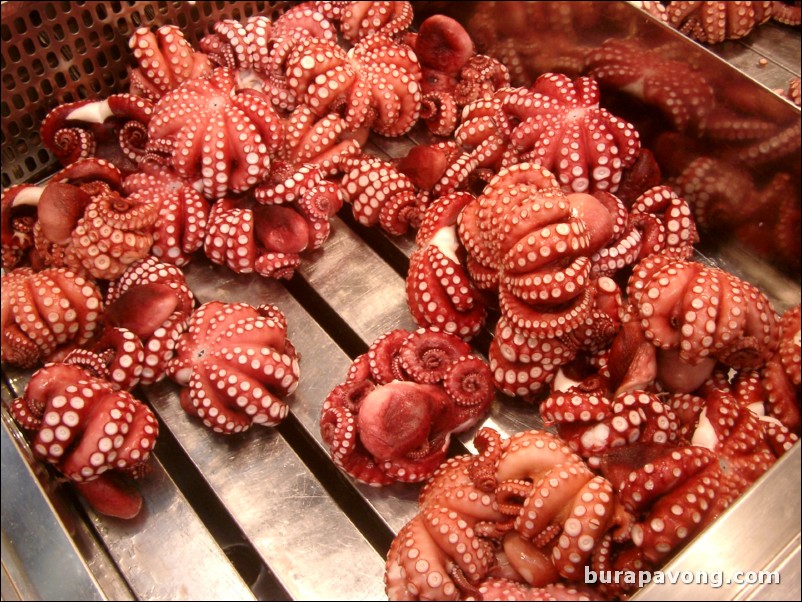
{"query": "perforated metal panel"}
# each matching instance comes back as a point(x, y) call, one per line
point(58, 52)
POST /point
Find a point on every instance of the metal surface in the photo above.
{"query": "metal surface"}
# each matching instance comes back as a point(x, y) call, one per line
point(266, 514)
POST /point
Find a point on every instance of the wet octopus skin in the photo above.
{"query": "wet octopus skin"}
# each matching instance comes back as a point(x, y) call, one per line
point(676, 491)
point(453, 73)
point(714, 22)
point(359, 20)
point(377, 83)
point(702, 315)
point(38, 221)
point(215, 131)
point(439, 291)
point(530, 489)
point(84, 222)
point(236, 366)
point(165, 59)
point(114, 129)
point(392, 419)
point(557, 123)
point(88, 430)
point(153, 302)
point(46, 314)
point(527, 240)
point(380, 194)
point(652, 75)
point(267, 235)
point(781, 374)
point(183, 213)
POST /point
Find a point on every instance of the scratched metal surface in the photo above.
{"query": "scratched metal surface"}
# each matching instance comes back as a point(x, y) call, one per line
point(265, 515)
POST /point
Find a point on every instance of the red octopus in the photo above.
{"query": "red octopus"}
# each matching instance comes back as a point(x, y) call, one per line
point(381, 194)
point(95, 435)
point(46, 314)
point(582, 143)
point(236, 366)
point(376, 85)
point(183, 214)
point(240, 47)
point(558, 123)
point(654, 76)
point(360, 20)
point(268, 236)
point(165, 59)
point(393, 417)
point(152, 301)
point(530, 242)
point(526, 510)
point(114, 129)
point(781, 374)
point(439, 290)
point(81, 221)
point(697, 316)
point(454, 75)
point(714, 22)
point(674, 492)
point(215, 131)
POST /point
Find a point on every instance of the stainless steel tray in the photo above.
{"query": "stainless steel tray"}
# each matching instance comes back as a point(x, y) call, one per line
point(266, 515)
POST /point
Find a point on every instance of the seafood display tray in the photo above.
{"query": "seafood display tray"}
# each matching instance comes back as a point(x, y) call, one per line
point(266, 514)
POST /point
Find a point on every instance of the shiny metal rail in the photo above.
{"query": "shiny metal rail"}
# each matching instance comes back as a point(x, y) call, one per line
point(266, 515)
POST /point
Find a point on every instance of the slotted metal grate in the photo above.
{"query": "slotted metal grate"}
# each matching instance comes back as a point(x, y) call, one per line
point(58, 52)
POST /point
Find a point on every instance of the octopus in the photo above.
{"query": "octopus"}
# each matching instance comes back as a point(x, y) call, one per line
point(359, 20)
point(524, 513)
point(654, 76)
point(183, 214)
point(453, 74)
point(714, 22)
point(153, 302)
point(675, 491)
point(440, 293)
point(114, 129)
point(241, 47)
point(78, 220)
point(380, 194)
point(557, 135)
point(215, 132)
point(532, 244)
point(376, 84)
point(97, 437)
point(28, 220)
point(46, 314)
point(235, 365)
point(593, 422)
point(267, 236)
point(111, 232)
point(697, 316)
point(781, 374)
point(557, 123)
point(393, 417)
point(165, 59)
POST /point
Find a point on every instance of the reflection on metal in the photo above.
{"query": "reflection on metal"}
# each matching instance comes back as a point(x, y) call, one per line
point(729, 558)
point(35, 543)
point(308, 531)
